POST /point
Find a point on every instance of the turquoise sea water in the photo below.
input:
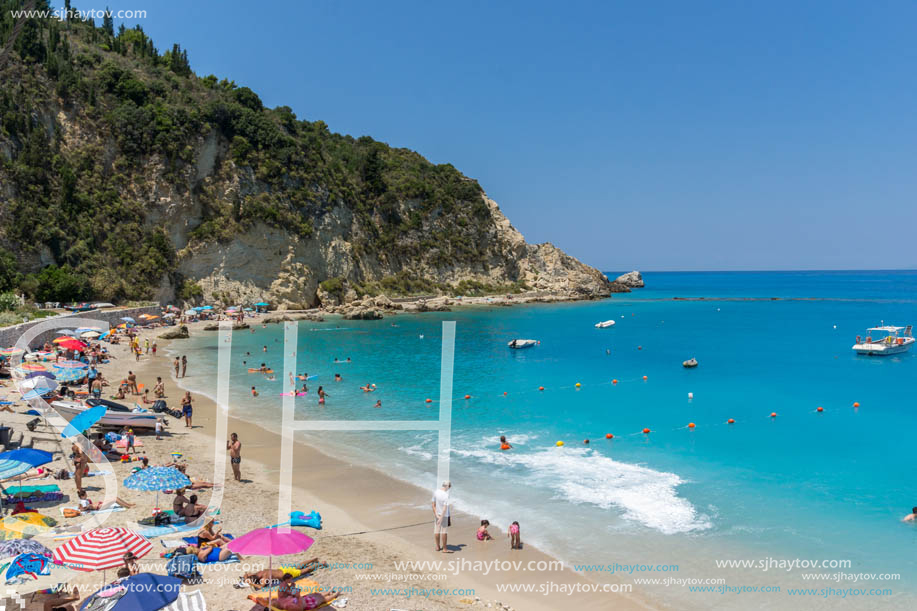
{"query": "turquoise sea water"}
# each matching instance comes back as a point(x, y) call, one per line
point(830, 485)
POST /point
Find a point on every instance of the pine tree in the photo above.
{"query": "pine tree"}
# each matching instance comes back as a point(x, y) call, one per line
point(108, 23)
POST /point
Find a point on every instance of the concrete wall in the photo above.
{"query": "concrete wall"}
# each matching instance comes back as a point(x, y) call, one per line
point(9, 335)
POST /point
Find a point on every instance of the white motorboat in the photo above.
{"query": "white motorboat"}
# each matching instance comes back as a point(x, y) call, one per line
point(518, 344)
point(116, 415)
point(885, 340)
point(604, 324)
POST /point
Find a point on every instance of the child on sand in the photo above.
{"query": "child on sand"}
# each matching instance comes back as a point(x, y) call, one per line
point(515, 539)
point(483, 535)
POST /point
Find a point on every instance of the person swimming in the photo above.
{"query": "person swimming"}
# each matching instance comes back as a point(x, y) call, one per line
point(254, 392)
point(368, 388)
point(504, 445)
point(378, 403)
point(911, 517)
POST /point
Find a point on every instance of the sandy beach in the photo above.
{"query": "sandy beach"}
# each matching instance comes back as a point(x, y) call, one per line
point(371, 522)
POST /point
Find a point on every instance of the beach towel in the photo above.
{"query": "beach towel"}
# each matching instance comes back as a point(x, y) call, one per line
point(161, 531)
point(109, 510)
point(304, 584)
point(188, 601)
point(34, 494)
point(93, 473)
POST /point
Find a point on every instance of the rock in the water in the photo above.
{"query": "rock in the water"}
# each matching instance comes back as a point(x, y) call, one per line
point(363, 314)
point(631, 280)
point(235, 326)
point(179, 333)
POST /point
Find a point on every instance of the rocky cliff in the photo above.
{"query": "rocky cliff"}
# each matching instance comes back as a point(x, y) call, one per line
point(128, 176)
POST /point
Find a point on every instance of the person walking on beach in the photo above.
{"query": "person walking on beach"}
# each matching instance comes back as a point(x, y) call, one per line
point(146, 345)
point(235, 455)
point(184, 365)
point(176, 363)
point(442, 519)
point(186, 409)
point(80, 466)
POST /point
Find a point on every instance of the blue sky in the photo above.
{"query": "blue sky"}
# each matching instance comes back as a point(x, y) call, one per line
point(647, 135)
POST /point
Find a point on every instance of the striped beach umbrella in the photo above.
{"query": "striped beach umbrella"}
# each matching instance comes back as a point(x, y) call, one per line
point(101, 548)
point(72, 344)
point(12, 351)
point(33, 367)
point(63, 338)
point(71, 365)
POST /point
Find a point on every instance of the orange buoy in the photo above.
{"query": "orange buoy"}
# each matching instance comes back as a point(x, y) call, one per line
point(541, 388)
point(429, 400)
point(505, 446)
point(467, 396)
point(614, 381)
point(645, 431)
point(504, 393)
point(773, 414)
point(690, 425)
point(609, 436)
point(855, 404)
point(586, 441)
point(644, 378)
point(821, 409)
point(731, 421)
point(578, 384)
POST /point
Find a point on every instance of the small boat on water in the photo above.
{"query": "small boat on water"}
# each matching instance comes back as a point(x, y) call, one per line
point(116, 415)
point(518, 344)
point(604, 324)
point(691, 362)
point(885, 340)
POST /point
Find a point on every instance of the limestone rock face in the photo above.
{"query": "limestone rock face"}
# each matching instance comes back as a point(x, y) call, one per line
point(632, 280)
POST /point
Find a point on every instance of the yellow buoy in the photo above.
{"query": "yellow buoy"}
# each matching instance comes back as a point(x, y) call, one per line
point(578, 384)
point(560, 443)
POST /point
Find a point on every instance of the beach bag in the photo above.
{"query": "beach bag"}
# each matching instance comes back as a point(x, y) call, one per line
point(70, 513)
point(184, 567)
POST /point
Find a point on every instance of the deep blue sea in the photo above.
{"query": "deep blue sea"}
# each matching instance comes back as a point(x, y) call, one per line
point(829, 485)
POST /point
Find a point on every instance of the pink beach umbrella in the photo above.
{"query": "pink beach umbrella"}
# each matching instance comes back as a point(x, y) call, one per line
point(271, 542)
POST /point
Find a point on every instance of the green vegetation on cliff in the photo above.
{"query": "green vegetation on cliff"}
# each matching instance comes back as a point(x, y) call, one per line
point(91, 117)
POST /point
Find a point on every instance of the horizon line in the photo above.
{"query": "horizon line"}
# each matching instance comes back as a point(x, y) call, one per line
point(761, 271)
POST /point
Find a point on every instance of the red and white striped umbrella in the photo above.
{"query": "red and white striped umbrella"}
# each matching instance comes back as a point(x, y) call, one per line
point(101, 548)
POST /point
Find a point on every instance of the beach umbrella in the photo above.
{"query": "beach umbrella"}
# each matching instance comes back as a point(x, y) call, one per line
point(261, 303)
point(270, 542)
point(12, 351)
point(90, 334)
point(33, 388)
point(63, 338)
point(157, 479)
point(14, 547)
point(143, 592)
point(207, 307)
point(84, 421)
point(67, 376)
point(33, 367)
point(104, 335)
point(72, 344)
point(17, 462)
point(40, 374)
point(127, 319)
point(66, 331)
point(249, 309)
point(71, 365)
point(101, 548)
point(82, 330)
point(25, 525)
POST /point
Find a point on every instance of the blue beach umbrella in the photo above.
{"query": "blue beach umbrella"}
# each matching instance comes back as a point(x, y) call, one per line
point(84, 421)
point(158, 479)
point(208, 307)
point(40, 374)
point(70, 375)
point(32, 565)
point(261, 303)
point(70, 365)
point(66, 332)
point(127, 319)
point(143, 592)
point(17, 462)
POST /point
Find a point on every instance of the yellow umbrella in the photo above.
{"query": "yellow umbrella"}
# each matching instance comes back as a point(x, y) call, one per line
point(25, 525)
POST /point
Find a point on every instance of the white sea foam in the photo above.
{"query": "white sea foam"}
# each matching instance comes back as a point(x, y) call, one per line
point(583, 476)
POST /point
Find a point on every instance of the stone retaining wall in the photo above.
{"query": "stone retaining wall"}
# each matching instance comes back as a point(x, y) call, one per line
point(9, 335)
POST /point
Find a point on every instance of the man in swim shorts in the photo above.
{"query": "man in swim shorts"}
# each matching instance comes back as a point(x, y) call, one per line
point(441, 518)
point(235, 455)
